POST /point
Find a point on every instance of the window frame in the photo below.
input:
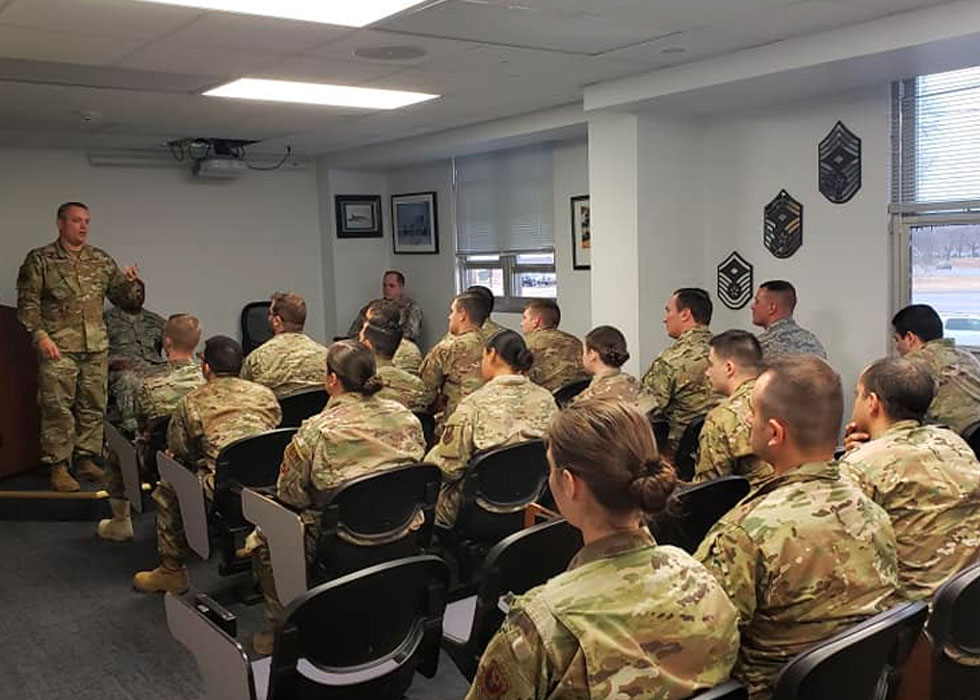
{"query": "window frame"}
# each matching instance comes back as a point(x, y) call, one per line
point(507, 262)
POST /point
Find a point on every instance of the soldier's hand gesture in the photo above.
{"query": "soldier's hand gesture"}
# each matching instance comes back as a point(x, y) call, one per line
point(132, 273)
point(48, 349)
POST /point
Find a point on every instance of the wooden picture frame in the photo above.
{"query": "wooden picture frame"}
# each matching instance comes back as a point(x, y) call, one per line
point(358, 215)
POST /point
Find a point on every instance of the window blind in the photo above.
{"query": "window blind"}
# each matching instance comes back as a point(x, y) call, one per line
point(505, 201)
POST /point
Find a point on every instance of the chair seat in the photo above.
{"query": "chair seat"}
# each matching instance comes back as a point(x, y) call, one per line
point(457, 622)
point(262, 667)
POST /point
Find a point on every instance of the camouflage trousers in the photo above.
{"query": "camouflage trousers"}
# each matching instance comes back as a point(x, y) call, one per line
point(114, 484)
point(123, 388)
point(72, 398)
point(171, 541)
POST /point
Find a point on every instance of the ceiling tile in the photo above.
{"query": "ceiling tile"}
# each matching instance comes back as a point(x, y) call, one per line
point(108, 17)
point(235, 31)
point(169, 57)
point(73, 74)
point(63, 47)
point(435, 48)
point(323, 71)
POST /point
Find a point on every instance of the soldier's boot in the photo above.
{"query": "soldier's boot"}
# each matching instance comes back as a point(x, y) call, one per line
point(61, 480)
point(169, 577)
point(264, 640)
point(87, 469)
point(119, 528)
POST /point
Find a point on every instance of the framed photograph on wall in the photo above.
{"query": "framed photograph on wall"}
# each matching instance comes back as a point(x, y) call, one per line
point(415, 219)
point(581, 233)
point(358, 215)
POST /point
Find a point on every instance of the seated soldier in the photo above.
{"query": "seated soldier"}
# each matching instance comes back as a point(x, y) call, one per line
point(489, 327)
point(356, 434)
point(919, 337)
point(629, 618)
point(806, 555)
point(557, 355)
point(676, 378)
point(382, 338)
point(158, 396)
point(407, 356)
point(509, 408)
point(734, 362)
point(605, 352)
point(772, 309)
point(290, 361)
point(393, 290)
point(135, 335)
point(205, 420)
point(925, 477)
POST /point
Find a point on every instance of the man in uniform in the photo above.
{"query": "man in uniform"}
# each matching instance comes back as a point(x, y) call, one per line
point(676, 379)
point(734, 362)
point(208, 418)
point(772, 309)
point(61, 289)
point(925, 477)
point(290, 361)
point(382, 338)
point(557, 355)
point(489, 327)
point(919, 337)
point(393, 289)
point(807, 554)
point(407, 357)
point(156, 398)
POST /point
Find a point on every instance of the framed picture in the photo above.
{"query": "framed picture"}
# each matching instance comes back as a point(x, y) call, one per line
point(358, 215)
point(581, 233)
point(416, 222)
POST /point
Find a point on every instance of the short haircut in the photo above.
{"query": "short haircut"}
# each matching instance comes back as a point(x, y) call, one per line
point(386, 310)
point(697, 301)
point(546, 309)
point(904, 387)
point(63, 208)
point(741, 347)
point(784, 292)
point(474, 305)
point(485, 293)
point(384, 336)
point(920, 320)
point(184, 331)
point(355, 367)
point(511, 348)
point(291, 308)
point(398, 276)
point(223, 355)
point(804, 392)
point(609, 344)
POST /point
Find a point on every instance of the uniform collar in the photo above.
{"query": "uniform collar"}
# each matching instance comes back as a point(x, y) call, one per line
point(901, 426)
point(743, 388)
point(942, 342)
point(607, 372)
point(345, 398)
point(383, 362)
point(694, 333)
point(612, 545)
point(508, 379)
point(811, 471)
point(65, 253)
point(788, 321)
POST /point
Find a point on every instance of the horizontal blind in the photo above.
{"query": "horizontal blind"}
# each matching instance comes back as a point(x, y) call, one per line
point(505, 202)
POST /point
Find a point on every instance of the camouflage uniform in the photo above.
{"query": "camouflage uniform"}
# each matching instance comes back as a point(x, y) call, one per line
point(677, 383)
point(136, 338)
point(355, 435)
point(60, 296)
point(803, 557)
point(628, 619)
point(957, 376)
point(490, 328)
point(287, 363)
point(615, 384)
point(507, 409)
point(411, 319)
point(928, 481)
point(725, 448)
point(204, 421)
point(785, 337)
point(408, 357)
point(452, 370)
point(557, 358)
point(407, 389)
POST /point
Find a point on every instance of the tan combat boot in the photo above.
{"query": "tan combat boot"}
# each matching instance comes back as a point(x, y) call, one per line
point(87, 469)
point(263, 641)
point(120, 527)
point(169, 577)
point(61, 480)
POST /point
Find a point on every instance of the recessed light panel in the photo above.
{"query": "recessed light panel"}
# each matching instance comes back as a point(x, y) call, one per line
point(346, 13)
point(317, 94)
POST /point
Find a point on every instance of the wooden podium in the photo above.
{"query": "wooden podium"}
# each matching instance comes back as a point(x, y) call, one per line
point(19, 416)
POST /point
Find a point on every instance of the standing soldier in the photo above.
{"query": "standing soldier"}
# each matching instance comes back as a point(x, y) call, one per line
point(557, 355)
point(61, 289)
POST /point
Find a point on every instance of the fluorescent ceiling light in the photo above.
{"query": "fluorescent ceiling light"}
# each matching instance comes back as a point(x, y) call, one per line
point(317, 94)
point(346, 13)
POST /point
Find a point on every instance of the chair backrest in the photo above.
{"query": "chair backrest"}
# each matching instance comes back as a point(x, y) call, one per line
point(157, 442)
point(853, 663)
point(250, 461)
point(971, 434)
point(564, 395)
point(301, 405)
point(955, 618)
point(255, 325)
point(661, 429)
point(386, 616)
point(375, 509)
point(695, 509)
point(731, 690)
point(686, 454)
point(428, 422)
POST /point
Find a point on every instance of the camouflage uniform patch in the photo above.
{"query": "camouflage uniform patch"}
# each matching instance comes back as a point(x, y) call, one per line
point(614, 384)
point(452, 370)
point(786, 337)
point(407, 389)
point(557, 358)
point(408, 357)
point(957, 376)
point(287, 363)
point(725, 447)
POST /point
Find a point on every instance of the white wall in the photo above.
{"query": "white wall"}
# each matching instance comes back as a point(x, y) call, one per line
point(571, 178)
point(205, 247)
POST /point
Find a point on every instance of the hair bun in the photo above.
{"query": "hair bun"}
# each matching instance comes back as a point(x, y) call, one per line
point(652, 487)
point(372, 385)
point(525, 359)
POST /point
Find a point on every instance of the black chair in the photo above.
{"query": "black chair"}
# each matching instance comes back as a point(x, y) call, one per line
point(971, 434)
point(360, 636)
point(954, 626)
point(726, 691)
point(516, 564)
point(297, 407)
point(157, 442)
point(255, 325)
point(858, 662)
point(564, 395)
point(693, 510)
point(428, 422)
point(686, 454)
point(661, 429)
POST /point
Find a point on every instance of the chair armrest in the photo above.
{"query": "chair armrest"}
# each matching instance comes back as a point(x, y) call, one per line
point(533, 511)
point(224, 618)
point(128, 465)
point(283, 530)
point(190, 495)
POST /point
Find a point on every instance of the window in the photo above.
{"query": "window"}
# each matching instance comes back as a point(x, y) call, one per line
point(505, 225)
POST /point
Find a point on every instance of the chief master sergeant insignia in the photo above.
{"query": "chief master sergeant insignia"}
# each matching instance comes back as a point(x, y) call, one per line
point(783, 233)
point(840, 164)
point(735, 281)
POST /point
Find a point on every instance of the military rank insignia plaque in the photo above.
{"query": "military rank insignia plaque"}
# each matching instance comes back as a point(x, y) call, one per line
point(783, 231)
point(735, 282)
point(840, 164)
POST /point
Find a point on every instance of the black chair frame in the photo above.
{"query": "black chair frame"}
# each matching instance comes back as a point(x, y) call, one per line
point(254, 335)
point(955, 626)
point(302, 405)
point(693, 510)
point(564, 395)
point(686, 454)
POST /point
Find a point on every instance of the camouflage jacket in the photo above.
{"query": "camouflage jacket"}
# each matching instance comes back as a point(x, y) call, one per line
point(408, 357)
point(411, 318)
point(452, 368)
point(507, 409)
point(216, 414)
point(287, 363)
point(490, 328)
point(957, 376)
point(60, 296)
point(785, 337)
point(803, 557)
point(557, 358)
point(407, 389)
point(724, 447)
point(628, 619)
point(928, 481)
point(160, 392)
point(677, 383)
point(614, 384)
point(137, 337)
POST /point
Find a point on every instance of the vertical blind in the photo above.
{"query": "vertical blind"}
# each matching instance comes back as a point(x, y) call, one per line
point(505, 201)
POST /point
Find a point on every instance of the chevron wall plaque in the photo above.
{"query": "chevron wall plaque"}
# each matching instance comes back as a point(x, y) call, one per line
point(840, 164)
point(783, 233)
point(735, 281)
